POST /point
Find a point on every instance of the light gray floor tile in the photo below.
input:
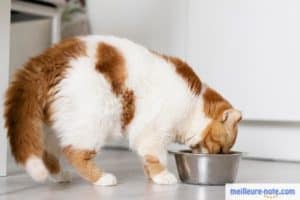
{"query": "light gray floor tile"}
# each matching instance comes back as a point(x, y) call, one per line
point(133, 184)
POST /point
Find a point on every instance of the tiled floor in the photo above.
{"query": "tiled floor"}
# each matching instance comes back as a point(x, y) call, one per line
point(133, 185)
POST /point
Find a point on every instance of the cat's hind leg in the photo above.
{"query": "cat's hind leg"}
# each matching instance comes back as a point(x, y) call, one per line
point(51, 157)
point(80, 141)
point(83, 162)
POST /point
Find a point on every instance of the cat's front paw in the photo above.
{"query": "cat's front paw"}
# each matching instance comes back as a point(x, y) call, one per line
point(106, 179)
point(165, 178)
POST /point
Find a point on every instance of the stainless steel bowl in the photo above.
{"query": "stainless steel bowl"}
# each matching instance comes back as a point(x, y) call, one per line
point(207, 169)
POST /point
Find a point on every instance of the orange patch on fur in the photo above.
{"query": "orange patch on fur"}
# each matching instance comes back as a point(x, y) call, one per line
point(214, 104)
point(82, 161)
point(51, 163)
point(152, 166)
point(30, 94)
point(112, 64)
point(128, 107)
point(186, 72)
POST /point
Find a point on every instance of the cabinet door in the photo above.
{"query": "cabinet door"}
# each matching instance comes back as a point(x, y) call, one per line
point(250, 51)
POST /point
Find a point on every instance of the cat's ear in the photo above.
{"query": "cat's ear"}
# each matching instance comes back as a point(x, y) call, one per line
point(231, 116)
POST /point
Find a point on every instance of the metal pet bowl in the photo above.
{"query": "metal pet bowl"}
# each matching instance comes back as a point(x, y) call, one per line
point(207, 169)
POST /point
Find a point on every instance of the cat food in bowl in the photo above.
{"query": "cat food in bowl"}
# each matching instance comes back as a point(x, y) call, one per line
point(207, 169)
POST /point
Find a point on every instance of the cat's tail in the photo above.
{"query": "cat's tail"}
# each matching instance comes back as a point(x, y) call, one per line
point(24, 122)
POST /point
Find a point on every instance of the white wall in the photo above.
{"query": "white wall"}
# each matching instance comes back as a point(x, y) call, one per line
point(250, 51)
point(159, 25)
point(4, 74)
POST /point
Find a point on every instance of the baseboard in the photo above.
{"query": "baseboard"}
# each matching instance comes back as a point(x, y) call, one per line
point(269, 140)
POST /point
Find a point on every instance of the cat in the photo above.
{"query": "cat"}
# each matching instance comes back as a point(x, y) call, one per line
point(71, 98)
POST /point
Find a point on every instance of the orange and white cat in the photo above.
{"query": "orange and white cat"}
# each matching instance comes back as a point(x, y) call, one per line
point(70, 99)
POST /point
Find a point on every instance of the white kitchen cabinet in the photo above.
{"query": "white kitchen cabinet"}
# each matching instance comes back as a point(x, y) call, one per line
point(250, 51)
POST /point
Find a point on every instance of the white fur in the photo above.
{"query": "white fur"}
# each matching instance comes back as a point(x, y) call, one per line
point(36, 169)
point(87, 108)
point(195, 122)
point(165, 178)
point(86, 111)
point(163, 99)
point(106, 179)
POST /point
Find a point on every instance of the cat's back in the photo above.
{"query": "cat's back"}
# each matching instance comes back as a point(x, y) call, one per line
point(145, 82)
point(134, 66)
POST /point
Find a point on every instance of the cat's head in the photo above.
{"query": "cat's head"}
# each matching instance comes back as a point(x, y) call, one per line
point(220, 132)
